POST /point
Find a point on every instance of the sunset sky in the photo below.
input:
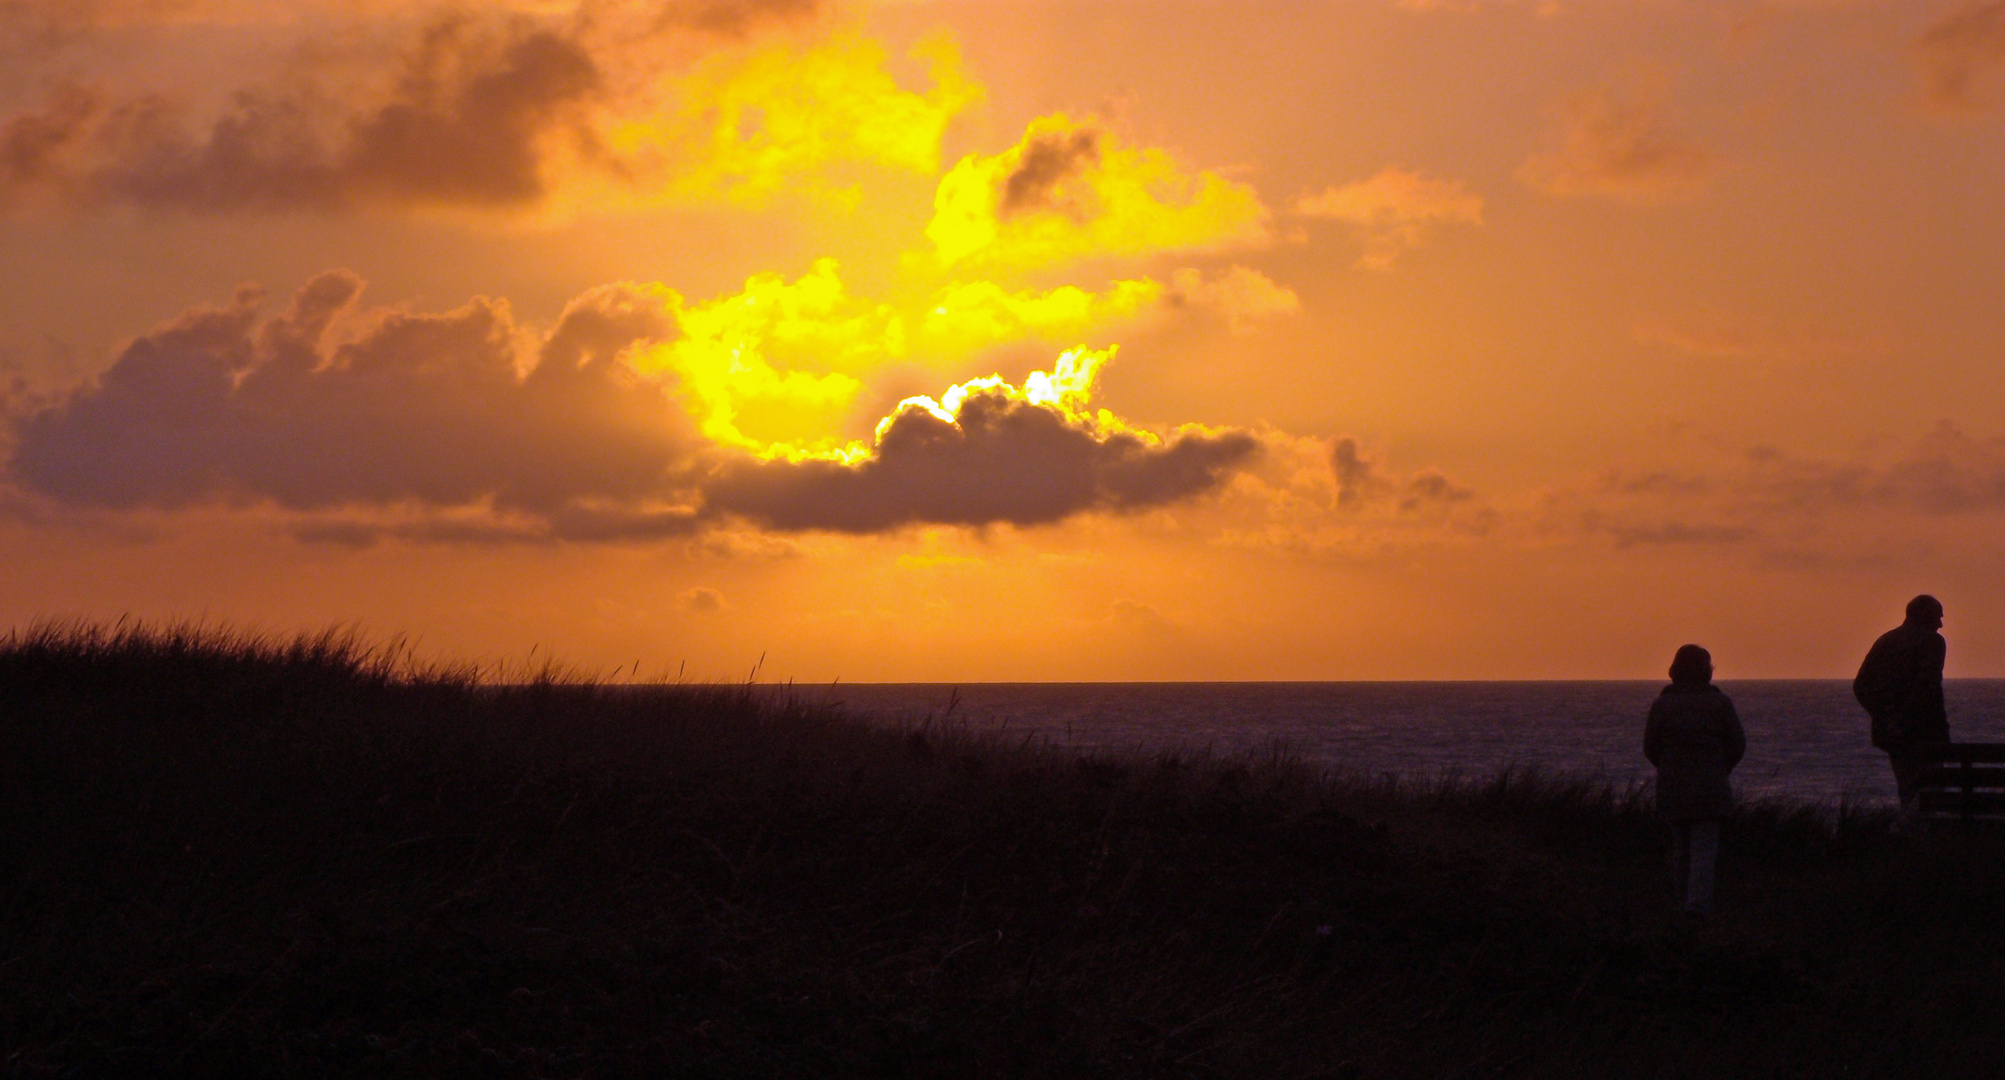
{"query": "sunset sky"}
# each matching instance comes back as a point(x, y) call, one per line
point(1012, 340)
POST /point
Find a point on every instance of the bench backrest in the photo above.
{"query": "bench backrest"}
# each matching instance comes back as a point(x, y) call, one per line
point(1962, 781)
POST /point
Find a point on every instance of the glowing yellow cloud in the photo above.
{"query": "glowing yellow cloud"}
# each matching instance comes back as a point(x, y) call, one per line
point(749, 123)
point(1071, 190)
point(772, 364)
point(965, 318)
point(776, 368)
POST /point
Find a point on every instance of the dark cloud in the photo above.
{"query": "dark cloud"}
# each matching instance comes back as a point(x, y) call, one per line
point(733, 18)
point(348, 534)
point(35, 146)
point(1628, 533)
point(1356, 475)
point(1655, 482)
point(428, 409)
point(1047, 162)
point(598, 524)
point(1621, 147)
point(1003, 461)
point(700, 600)
point(1431, 487)
point(482, 528)
point(1429, 495)
point(471, 113)
point(1960, 51)
point(719, 543)
point(467, 123)
point(468, 115)
point(1766, 496)
point(1944, 473)
point(30, 29)
point(1774, 480)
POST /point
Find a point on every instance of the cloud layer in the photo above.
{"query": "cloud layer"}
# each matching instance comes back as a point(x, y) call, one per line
point(1360, 481)
point(432, 409)
point(1782, 505)
point(466, 425)
point(1619, 147)
point(500, 113)
point(1961, 53)
point(1395, 208)
point(997, 460)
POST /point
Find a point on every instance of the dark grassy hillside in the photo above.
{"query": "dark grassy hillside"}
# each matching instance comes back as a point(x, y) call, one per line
point(227, 856)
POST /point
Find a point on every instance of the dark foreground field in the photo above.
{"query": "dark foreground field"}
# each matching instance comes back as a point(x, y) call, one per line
point(221, 857)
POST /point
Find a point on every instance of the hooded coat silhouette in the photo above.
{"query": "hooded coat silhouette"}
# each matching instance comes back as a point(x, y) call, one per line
point(1694, 738)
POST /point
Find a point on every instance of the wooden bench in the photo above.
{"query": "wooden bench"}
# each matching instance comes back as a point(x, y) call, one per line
point(1962, 782)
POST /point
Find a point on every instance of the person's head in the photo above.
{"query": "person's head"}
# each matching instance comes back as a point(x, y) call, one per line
point(1693, 665)
point(1925, 610)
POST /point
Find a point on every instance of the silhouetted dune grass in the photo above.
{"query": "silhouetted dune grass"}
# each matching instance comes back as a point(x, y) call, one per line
point(226, 854)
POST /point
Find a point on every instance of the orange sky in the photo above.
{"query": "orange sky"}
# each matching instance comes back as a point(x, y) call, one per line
point(1304, 339)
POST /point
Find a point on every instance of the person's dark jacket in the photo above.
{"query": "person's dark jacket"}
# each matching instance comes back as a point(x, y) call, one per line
point(1900, 685)
point(1694, 738)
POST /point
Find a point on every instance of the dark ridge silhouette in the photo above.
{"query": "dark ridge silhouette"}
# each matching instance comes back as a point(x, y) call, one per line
point(238, 855)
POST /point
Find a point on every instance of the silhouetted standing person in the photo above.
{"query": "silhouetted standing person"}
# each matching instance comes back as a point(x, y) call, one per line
point(1900, 684)
point(1694, 738)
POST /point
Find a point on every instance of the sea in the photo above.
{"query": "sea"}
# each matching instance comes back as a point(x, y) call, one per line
point(1806, 738)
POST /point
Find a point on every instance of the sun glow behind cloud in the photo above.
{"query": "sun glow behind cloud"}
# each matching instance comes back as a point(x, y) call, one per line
point(841, 330)
point(776, 368)
point(550, 112)
point(1064, 390)
point(748, 406)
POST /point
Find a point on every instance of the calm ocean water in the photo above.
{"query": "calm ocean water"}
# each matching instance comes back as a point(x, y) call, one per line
point(1806, 738)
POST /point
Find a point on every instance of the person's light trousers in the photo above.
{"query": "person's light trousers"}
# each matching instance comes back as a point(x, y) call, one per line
point(1695, 851)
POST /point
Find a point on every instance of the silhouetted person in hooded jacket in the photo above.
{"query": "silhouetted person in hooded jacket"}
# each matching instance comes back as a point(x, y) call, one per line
point(1694, 738)
point(1900, 685)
